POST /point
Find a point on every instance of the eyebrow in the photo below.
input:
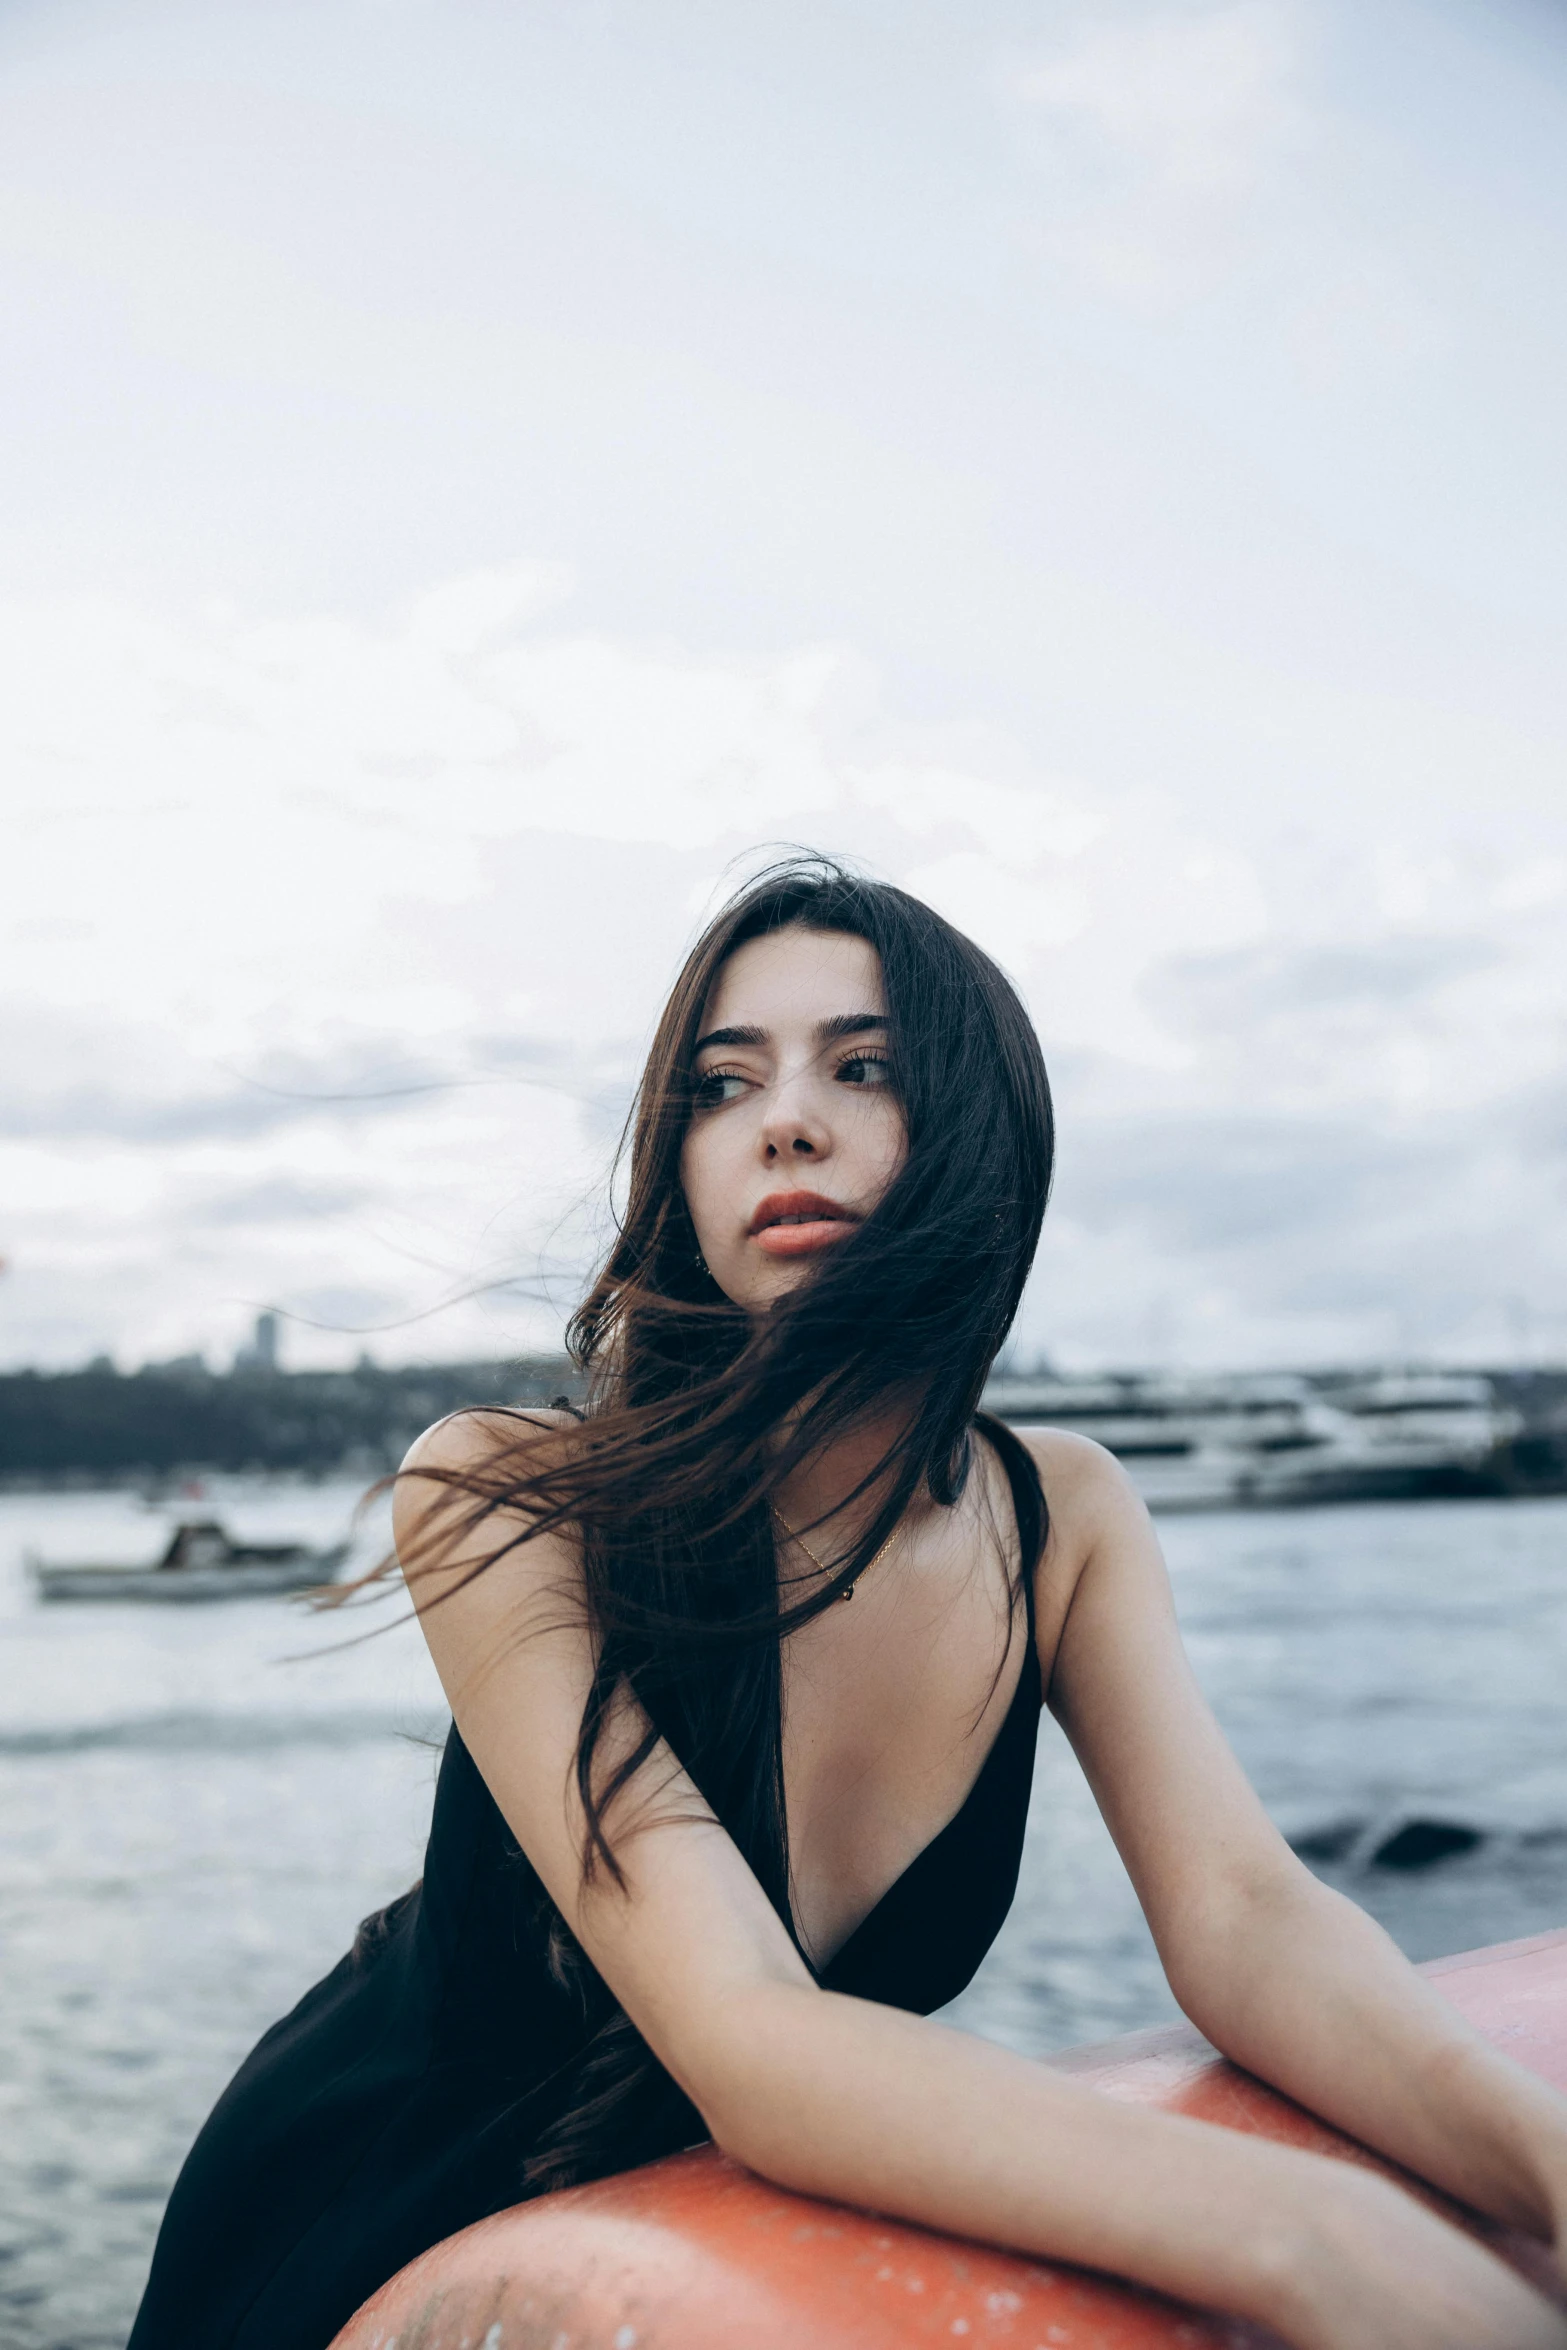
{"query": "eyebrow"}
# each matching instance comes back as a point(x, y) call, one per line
point(827, 1031)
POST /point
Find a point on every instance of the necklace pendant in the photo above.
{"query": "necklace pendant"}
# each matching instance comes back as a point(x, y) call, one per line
point(849, 1593)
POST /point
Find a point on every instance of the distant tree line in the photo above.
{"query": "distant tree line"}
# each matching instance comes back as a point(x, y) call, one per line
point(181, 1417)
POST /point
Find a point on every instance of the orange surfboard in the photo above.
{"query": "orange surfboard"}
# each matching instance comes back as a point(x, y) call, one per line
point(694, 2253)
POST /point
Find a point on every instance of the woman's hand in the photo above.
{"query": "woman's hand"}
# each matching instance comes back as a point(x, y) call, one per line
point(1378, 2271)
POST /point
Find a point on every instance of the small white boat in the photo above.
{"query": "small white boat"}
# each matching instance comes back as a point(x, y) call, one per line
point(201, 1561)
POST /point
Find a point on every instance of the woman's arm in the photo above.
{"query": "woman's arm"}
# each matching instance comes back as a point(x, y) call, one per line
point(1284, 1975)
point(839, 2097)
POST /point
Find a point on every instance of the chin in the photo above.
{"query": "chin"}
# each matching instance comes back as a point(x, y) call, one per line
point(761, 1293)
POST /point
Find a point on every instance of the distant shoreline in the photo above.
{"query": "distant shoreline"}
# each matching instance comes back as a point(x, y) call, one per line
point(100, 1427)
point(103, 1430)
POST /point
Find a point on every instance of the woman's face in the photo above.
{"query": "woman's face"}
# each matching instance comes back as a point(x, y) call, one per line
point(796, 1130)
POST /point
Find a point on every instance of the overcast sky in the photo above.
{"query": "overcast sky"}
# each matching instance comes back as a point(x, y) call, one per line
point(477, 472)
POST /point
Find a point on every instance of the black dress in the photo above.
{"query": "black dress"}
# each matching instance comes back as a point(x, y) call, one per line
point(395, 2104)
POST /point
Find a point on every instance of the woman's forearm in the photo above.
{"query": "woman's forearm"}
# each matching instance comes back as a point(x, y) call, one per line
point(859, 2103)
point(1305, 1990)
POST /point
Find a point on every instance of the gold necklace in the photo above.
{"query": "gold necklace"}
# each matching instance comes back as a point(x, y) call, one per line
point(821, 1565)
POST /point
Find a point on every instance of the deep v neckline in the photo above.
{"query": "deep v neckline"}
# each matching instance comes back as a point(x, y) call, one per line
point(1030, 1518)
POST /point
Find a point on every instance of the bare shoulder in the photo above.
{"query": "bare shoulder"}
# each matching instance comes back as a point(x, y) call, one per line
point(1088, 1492)
point(456, 1495)
point(1093, 1508)
point(477, 1434)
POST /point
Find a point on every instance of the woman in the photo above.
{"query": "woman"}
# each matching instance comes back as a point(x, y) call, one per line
point(709, 1845)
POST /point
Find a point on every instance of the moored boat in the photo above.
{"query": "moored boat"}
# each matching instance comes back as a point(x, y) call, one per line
point(1192, 1442)
point(1188, 1442)
point(201, 1561)
point(1419, 1432)
point(694, 2253)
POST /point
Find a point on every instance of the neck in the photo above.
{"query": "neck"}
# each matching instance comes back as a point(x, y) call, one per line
point(823, 1491)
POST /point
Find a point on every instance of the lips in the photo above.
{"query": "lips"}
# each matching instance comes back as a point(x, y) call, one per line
point(795, 1223)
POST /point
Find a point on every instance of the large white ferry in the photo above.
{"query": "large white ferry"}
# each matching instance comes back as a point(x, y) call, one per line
point(1424, 1431)
point(1195, 1443)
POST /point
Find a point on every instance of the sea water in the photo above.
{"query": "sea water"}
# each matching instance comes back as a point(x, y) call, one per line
point(198, 1804)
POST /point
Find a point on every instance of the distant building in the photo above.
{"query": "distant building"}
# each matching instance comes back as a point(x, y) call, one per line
point(261, 1354)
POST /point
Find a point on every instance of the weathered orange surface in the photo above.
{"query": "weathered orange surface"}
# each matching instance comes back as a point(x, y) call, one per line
point(697, 2254)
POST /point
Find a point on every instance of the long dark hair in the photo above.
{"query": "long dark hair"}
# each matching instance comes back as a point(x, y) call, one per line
point(697, 1412)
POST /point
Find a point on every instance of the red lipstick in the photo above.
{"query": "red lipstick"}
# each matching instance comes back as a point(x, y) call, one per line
point(795, 1223)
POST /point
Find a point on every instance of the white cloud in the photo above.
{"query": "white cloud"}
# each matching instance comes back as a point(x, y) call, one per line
point(1188, 152)
point(1019, 824)
point(1165, 136)
point(465, 614)
point(1201, 99)
point(259, 865)
point(327, 945)
point(225, 805)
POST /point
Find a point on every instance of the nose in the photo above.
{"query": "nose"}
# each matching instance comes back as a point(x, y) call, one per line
point(793, 1127)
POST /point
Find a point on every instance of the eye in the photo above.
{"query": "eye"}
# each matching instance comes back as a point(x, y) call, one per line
point(714, 1087)
point(864, 1068)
